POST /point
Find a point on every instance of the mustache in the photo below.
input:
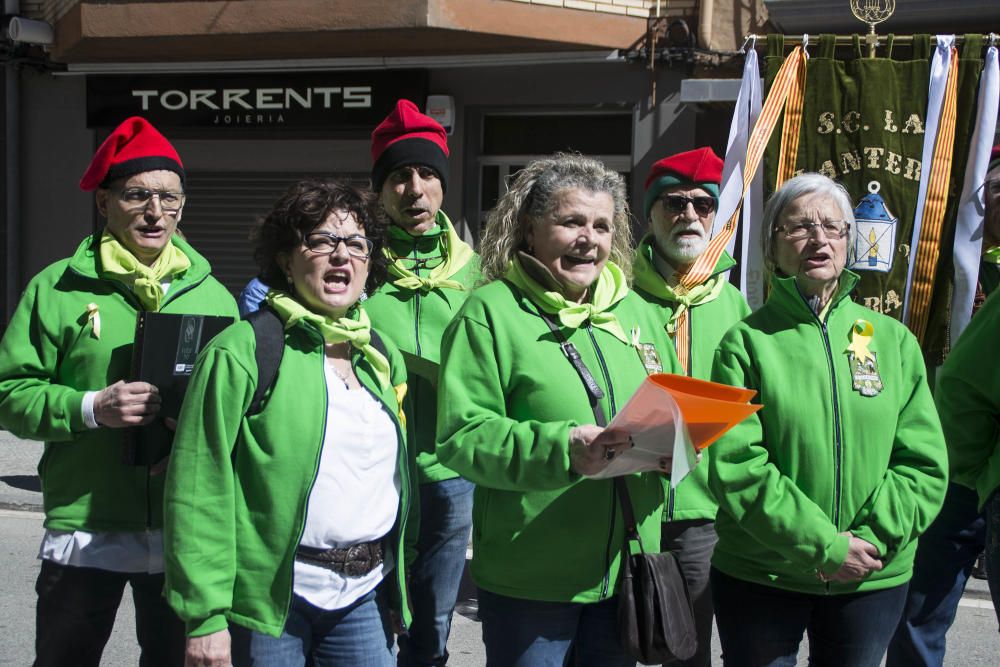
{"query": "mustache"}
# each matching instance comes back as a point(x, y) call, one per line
point(696, 227)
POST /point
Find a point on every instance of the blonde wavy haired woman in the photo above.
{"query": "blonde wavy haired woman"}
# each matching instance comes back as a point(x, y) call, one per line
point(516, 419)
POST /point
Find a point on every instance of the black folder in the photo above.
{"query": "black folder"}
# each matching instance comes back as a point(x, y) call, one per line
point(166, 345)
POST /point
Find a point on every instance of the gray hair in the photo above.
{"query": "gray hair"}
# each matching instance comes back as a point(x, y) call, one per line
point(804, 184)
point(532, 195)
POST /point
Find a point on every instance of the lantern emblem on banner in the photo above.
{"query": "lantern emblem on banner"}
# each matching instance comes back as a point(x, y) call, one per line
point(875, 242)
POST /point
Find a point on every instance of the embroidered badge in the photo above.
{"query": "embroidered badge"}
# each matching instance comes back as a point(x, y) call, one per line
point(863, 362)
point(650, 358)
point(648, 355)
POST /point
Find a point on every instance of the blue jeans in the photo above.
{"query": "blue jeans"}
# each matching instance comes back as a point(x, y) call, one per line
point(692, 542)
point(445, 524)
point(763, 626)
point(529, 633)
point(945, 557)
point(357, 635)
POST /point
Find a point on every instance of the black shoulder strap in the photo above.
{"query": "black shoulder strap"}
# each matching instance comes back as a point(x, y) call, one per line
point(595, 393)
point(269, 334)
point(593, 389)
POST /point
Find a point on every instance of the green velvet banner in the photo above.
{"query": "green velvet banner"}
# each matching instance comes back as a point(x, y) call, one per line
point(863, 126)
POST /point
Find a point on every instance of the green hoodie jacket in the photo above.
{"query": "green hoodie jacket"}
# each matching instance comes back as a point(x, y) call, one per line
point(706, 323)
point(238, 487)
point(50, 357)
point(415, 320)
point(509, 398)
point(968, 400)
point(820, 458)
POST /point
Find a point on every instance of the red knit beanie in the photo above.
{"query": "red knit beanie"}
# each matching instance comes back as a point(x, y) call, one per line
point(135, 146)
point(700, 167)
point(408, 137)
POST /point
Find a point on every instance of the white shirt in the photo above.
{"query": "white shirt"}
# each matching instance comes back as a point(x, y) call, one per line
point(355, 497)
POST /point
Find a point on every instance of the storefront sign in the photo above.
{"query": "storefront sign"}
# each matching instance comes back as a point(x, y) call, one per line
point(331, 100)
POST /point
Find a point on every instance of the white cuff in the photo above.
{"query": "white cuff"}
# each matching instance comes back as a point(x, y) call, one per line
point(87, 408)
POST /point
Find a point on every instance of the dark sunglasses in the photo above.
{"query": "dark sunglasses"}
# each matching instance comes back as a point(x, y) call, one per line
point(678, 204)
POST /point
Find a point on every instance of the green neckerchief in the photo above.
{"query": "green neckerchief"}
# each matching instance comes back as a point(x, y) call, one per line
point(610, 288)
point(992, 256)
point(144, 281)
point(648, 279)
point(457, 254)
point(355, 328)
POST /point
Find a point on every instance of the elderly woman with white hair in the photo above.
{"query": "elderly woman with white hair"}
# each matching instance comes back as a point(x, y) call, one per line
point(823, 493)
point(516, 419)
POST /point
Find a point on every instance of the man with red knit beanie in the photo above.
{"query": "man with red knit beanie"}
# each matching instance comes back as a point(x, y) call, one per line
point(431, 274)
point(681, 198)
point(64, 366)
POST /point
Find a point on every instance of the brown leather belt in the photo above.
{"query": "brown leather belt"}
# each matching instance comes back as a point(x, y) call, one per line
point(356, 560)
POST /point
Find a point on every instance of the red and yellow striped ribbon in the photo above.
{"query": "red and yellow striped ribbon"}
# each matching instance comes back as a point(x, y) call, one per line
point(682, 341)
point(792, 125)
point(790, 80)
point(928, 249)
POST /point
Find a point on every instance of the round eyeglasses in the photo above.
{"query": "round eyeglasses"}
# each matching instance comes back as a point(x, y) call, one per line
point(325, 243)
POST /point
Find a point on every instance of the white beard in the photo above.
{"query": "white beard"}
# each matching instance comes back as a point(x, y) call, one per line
point(685, 249)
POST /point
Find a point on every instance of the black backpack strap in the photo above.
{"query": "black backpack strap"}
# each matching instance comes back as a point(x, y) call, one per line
point(379, 344)
point(269, 334)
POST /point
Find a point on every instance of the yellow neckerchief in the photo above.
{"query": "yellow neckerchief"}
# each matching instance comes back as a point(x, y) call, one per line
point(609, 288)
point(648, 279)
point(457, 254)
point(144, 281)
point(355, 328)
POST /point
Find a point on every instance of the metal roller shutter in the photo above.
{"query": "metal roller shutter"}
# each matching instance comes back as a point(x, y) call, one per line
point(222, 208)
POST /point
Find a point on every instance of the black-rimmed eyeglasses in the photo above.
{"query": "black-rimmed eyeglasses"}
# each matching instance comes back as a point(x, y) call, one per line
point(325, 243)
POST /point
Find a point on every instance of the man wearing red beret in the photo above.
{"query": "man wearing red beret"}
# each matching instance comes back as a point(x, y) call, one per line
point(64, 360)
point(948, 551)
point(431, 272)
point(682, 195)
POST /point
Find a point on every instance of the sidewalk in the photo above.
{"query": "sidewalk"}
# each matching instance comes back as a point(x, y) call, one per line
point(19, 488)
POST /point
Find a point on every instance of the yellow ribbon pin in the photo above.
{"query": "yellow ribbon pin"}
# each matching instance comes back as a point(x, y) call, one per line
point(94, 317)
point(861, 334)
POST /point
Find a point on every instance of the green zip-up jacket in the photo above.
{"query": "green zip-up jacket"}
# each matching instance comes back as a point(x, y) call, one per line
point(238, 487)
point(706, 322)
point(50, 357)
point(509, 398)
point(415, 320)
point(820, 458)
point(968, 400)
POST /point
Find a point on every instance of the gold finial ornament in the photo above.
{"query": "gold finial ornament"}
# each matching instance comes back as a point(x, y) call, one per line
point(872, 12)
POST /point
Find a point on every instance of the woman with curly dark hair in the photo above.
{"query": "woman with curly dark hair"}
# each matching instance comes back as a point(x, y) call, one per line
point(284, 520)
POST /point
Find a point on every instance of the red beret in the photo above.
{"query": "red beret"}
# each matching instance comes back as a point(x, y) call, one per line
point(995, 157)
point(135, 146)
point(408, 137)
point(701, 165)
